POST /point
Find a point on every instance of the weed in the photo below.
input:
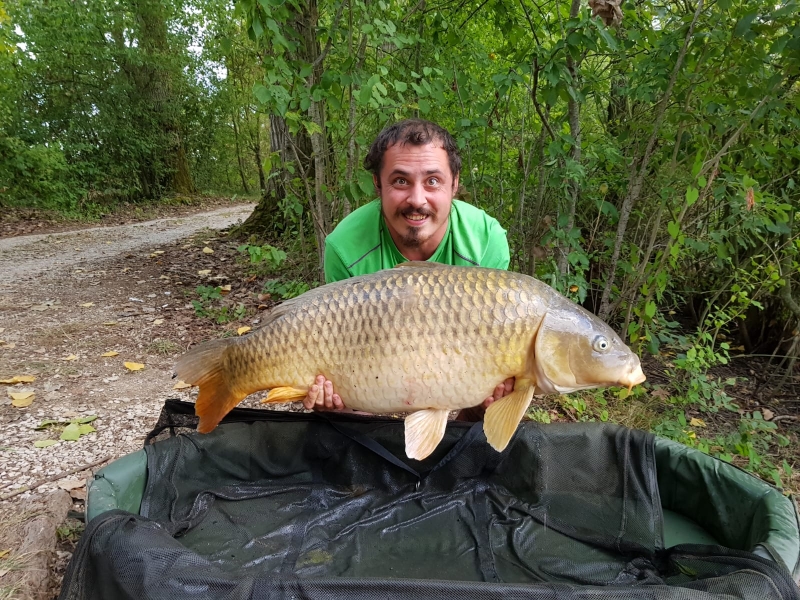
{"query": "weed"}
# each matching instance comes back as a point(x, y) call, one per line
point(163, 347)
point(70, 532)
point(205, 306)
point(264, 258)
point(285, 289)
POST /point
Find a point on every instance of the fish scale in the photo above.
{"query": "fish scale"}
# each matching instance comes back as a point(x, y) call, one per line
point(423, 338)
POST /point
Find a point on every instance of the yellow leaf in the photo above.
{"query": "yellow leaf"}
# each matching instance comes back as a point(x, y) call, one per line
point(204, 272)
point(70, 357)
point(207, 250)
point(691, 435)
point(242, 330)
point(21, 400)
point(9, 345)
point(109, 354)
point(157, 252)
point(164, 277)
point(695, 422)
point(87, 304)
point(181, 385)
point(110, 323)
point(19, 379)
point(158, 321)
point(4, 553)
point(132, 366)
point(225, 288)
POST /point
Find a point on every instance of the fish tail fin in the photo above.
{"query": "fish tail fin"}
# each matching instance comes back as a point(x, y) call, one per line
point(204, 366)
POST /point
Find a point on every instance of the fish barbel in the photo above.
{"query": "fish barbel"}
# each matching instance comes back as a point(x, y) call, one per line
point(422, 338)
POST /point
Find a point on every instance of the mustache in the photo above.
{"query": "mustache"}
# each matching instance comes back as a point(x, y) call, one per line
point(410, 211)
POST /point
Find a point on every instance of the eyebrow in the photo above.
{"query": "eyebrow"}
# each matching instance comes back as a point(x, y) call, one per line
point(406, 173)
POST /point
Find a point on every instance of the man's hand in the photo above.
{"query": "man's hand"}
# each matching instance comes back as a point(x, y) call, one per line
point(321, 397)
point(476, 413)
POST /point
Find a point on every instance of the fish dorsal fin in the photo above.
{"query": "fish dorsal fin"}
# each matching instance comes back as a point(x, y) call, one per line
point(418, 263)
point(424, 431)
point(503, 416)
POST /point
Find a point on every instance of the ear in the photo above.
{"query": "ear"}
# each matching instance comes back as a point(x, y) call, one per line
point(377, 183)
point(455, 185)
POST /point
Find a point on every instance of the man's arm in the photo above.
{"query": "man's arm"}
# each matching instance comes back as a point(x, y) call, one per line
point(335, 269)
point(497, 255)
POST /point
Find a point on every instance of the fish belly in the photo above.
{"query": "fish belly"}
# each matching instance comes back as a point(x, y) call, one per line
point(401, 340)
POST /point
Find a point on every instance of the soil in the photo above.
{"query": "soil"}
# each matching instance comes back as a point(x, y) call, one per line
point(67, 298)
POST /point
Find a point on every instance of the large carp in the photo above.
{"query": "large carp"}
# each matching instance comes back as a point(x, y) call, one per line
point(423, 338)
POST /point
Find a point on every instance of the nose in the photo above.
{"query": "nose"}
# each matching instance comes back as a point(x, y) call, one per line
point(416, 197)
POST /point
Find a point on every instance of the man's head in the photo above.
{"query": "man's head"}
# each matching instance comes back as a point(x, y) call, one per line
point(415, 166)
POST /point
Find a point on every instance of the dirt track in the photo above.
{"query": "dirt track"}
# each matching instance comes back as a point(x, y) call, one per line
point(66, 299)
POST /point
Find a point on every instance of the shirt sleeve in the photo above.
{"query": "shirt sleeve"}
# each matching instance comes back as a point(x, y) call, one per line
point(335, 269)
point(497, 255)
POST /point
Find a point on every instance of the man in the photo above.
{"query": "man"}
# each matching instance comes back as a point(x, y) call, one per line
point(415, 168)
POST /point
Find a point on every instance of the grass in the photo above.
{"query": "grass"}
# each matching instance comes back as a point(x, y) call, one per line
point(163, 347)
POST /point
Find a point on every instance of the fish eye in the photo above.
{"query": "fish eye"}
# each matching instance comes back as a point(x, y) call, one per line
point(600, 344)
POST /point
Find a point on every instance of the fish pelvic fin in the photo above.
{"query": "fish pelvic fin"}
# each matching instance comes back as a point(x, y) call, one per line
point(284, 394)
point(204, 366)
point(424, 430)
point(503, 416)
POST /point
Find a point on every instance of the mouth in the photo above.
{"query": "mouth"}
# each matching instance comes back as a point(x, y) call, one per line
point(415, 219)
point(635, 377)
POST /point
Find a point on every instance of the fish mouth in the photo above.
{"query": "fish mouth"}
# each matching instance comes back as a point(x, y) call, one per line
point(634, 377)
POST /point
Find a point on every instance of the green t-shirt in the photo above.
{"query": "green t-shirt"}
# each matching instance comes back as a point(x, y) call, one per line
point(362, 244)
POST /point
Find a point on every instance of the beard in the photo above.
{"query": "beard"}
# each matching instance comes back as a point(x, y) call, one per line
point(411, 235)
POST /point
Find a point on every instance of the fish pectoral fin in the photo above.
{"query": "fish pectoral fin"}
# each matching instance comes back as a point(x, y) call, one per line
point(424, 431)
point(284, 394)
point(503, 416)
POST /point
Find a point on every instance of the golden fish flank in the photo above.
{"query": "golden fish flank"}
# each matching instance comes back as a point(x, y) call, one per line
point(423, 338)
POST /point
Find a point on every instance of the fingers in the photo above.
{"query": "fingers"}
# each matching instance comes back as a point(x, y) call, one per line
point(322, 397)
point(315, 397)
point(502, 390)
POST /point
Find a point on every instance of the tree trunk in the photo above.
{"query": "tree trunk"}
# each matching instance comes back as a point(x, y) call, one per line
point(262, 179)
point(167, 168)
point(239, 160)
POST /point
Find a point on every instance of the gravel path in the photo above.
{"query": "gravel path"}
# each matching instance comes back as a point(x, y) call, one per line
point(74, 307)
point(25, 257)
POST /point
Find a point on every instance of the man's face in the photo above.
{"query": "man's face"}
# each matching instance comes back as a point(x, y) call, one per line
point(416, 190)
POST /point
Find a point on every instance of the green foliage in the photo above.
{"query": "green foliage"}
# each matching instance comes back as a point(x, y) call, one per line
point(266, 256)
point(207, 306)
point(285, 289)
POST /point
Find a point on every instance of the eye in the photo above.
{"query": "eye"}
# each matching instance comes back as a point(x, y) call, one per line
point(400, 181)
point(433, 181)
point(600, 344)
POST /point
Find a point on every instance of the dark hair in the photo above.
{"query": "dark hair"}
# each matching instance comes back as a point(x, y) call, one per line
point(416, 132)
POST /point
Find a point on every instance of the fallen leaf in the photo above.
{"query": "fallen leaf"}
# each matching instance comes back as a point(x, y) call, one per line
point(46, 423)
point(660, 393)
point(158, 321)
point(70, 357)
point(695, 422)
point(21, 400)
point(86, 419)
point(181, 385)
point(4, 553)
point(110, 323)
point(78, 494)
point(133, 366)
point(10, 345)
point(109, 354)
point(71, 433)
point(207, 250)
point(768, 414)
point(2, 329)
point(573, 288)
point(44, 443)
point(204, 272)
point(87, 304)
point(40, 307)
point(19, 379)
point(164, 277)
point(71, 484)
point(242, 330)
